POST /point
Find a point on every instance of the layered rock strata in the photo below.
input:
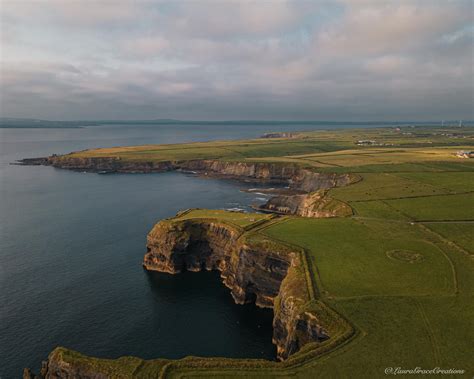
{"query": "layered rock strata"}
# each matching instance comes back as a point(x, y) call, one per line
point(299, 179)
point(301, 182)
point(317, 204)
point(257, 271)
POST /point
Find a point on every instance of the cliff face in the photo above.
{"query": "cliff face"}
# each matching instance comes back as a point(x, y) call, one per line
point(57, 368)
point(294, 327)
point(256, 271)
point(251, 170)
point(106, 164)
point(317, 204)
point(300, 180)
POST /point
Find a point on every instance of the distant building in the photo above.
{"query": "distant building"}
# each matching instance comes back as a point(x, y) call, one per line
point(366, 142)
point(465, 154)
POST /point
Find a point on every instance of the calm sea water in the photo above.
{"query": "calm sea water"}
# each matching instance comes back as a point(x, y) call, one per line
point(71, 246)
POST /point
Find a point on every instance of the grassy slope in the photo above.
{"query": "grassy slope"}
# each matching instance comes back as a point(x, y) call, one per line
point(351, 258)
point(460, 233)
point(237, 218)
point(405, 314)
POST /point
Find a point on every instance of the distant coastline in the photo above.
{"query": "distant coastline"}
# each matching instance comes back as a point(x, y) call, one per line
point(27, 123)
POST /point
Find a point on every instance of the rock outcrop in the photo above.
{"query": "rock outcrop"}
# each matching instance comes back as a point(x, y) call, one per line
point(317, 204)
point(256, 270)
point(56, 368)
point(102, 164)
point(63, 363)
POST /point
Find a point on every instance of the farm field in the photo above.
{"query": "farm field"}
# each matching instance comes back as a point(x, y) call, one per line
point(359, 263)
point(458, 232)
point(319, 148)
point(443, 207)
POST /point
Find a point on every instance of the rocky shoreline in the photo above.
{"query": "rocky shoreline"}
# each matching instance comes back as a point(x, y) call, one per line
point(302, 183)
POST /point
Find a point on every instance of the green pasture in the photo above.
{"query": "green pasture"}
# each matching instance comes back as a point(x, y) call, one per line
point(351, 257)
point(461, 233)
point(238, 218)
point(385, 186)
point(443, 207)
point(377, 209)
point(449, 181)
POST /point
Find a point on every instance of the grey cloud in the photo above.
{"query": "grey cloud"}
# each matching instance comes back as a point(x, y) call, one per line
point(209, 60)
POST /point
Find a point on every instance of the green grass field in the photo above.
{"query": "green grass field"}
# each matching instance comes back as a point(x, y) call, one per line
point(458, 232)
point(238, 218)
point(351, 257)
point(448, 207)
point(399, 270)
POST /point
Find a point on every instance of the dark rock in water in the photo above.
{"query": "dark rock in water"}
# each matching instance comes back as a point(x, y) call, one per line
point(32, 162)
point(27, 374)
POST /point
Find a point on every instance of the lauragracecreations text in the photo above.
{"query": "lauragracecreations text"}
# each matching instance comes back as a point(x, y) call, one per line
point(423, 371)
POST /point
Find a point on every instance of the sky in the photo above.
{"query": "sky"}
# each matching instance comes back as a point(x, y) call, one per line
point(222, 60)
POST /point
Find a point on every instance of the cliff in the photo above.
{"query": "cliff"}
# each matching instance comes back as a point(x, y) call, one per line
point(257, 270)
point(103, 164)
point(299, 180)
point(64, 363)
point(317, 204)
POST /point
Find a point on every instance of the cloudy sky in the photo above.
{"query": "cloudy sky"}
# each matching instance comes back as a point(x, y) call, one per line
point(333, 60)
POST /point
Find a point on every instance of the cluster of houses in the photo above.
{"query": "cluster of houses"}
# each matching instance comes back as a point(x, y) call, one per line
point(465, 154)
point(369, 142)
point(366, 142)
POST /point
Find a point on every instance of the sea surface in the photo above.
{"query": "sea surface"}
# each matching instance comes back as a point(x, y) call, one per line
point(71, 246)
